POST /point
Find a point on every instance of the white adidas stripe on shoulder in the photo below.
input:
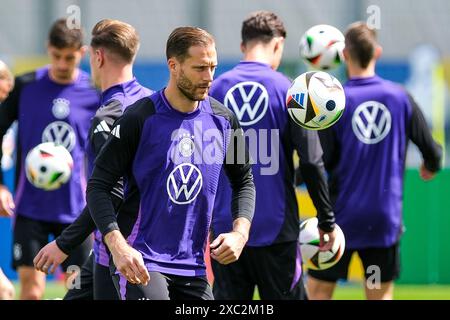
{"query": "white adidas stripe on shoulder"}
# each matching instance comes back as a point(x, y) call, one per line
point(116, 131)
point(102, 127)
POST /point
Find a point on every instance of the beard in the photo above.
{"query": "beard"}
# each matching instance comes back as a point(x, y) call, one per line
point(190, 90)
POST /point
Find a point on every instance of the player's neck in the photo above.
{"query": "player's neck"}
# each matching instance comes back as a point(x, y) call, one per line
point(355, 71)
point(178, 100)
point(116, 75)
point(259, 53)
point(64, 81)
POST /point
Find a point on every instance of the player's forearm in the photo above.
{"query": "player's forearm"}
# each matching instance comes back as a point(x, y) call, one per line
point(9, 113)
point(242, 226)
point(76, 233)
point(243, 192)
point(99, 200)
point(312, 169)
point(4, 125)
point(115, 242)
point(314, 176)
point(240, 175)
point(420, 134)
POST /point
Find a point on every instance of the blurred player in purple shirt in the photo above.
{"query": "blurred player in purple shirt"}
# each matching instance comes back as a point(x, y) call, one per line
point(114, 46)
point(365, 155)
point(54, 103)
point(256, 93)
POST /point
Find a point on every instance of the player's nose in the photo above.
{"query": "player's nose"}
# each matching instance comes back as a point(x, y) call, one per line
point(208, 76)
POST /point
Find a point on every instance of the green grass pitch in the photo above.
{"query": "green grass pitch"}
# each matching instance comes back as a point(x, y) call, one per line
point(55, 290)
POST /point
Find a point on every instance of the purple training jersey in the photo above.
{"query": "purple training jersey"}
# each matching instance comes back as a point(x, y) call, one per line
point(114, 102)
point(173, 159)
point(372, 138)
point(48, 111)
point(257, 94)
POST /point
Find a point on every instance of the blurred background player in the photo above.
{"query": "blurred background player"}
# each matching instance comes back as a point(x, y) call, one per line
point(7, 291)
point(256, 92)
point(114, 46)
point(365, 155)
point(6, 81)
point(157, 143)
point(54, 103)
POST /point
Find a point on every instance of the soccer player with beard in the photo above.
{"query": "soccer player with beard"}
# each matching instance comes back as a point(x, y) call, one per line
point(54, 103)
point(171, 147)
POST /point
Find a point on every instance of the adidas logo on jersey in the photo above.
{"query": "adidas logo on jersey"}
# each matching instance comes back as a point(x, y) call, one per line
point(116, 131)
point(102, 127)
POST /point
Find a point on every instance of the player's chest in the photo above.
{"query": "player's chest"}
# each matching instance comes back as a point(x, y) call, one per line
point(186, 150)
point(39, 106)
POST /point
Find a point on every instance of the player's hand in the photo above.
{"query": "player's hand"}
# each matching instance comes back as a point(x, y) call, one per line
point(326, 239)
point(6, 202)
point(227, 247)
point(49, 258)
point(425, 174)
point(127, 260)
point(130, 264)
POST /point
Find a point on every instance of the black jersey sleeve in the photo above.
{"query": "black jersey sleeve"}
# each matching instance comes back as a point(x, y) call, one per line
point(81, 228)
point(114, 161)
point(420, 135)
point(237, 166)
point(84, 225)
point(9, 109)
point(331, 148)
point(239, 172)
point(76, 232)
point(309, 149)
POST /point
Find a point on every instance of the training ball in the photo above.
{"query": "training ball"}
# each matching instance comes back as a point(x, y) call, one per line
point(315, 100)
point(309, 246)
point(322, 47)
point(48, 166)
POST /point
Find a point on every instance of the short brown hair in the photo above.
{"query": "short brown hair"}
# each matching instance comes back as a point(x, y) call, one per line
point(116, 36)
point(182, 38)
point(262, 26)
point(360, 42)
point(61, 36)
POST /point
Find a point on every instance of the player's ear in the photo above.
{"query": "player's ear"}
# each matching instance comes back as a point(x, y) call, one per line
point(97, 55)
point(279, 44)
point(47, 46)
point(378, 52)
point(83, 50)
point(100, 57)
point(345, 53)
point(172, 64)
point(242, 47)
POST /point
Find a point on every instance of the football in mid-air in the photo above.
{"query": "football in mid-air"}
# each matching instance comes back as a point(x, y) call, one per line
point(309, 240)
point(48, 166)
point(322, 47)
point(315, 100)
